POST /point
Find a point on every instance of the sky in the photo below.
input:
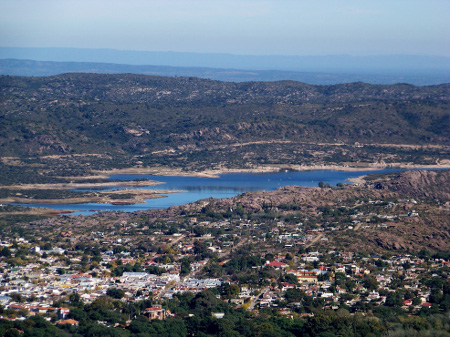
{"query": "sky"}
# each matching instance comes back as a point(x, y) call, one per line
point(245, 27)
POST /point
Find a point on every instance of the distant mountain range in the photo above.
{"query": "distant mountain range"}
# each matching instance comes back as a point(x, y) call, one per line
point(418, 70)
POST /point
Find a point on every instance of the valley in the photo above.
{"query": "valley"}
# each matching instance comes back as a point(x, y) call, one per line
point(286, 261)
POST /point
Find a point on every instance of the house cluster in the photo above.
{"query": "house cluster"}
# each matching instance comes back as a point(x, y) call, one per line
point(34, 287)
point(192, 285)
point(346, 282)
point(48, 279)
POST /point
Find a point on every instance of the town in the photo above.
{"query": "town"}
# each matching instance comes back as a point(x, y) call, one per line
point(283, 262)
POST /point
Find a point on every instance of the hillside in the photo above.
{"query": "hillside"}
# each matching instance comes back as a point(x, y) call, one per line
point(329, 207)
point(371, 250)
point(72, 121)
point(380, 214)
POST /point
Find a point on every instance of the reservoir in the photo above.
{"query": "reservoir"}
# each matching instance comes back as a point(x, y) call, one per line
point(225, 186)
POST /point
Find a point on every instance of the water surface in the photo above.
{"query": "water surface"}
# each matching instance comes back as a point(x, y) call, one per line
point(226, 186)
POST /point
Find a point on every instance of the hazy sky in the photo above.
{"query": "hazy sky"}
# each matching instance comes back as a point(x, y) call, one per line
point(287, 27)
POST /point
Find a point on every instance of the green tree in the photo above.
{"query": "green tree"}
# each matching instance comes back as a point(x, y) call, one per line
point(370, 283)
point(228, 291)
point(294, 295)
point(200, 248)
point(74, 298)
point(185, 266)
point(394, 299)
point(291, 278)
point(115, 293)
point(6, 252)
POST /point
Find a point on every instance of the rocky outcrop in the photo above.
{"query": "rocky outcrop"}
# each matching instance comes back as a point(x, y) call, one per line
point(419, 184)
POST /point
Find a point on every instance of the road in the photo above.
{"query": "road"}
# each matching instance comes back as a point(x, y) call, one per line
point(357, 226)
point(173, 284)
point(254, 299)
point(175, 241)
point(242, 242)
point(165, 290)
point(313, 241)
point(193, 273)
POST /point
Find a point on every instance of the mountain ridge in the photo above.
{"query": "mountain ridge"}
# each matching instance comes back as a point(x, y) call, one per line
point(277, 62)
point(422, 69)
point(18, 67)
point(200, 124)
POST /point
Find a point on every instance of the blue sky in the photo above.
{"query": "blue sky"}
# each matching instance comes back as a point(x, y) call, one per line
point(276, 27)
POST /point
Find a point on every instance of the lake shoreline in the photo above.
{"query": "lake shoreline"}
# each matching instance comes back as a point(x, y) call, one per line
point(139, 196)
point(231, 182)
point(215, 173)
point(73, 186)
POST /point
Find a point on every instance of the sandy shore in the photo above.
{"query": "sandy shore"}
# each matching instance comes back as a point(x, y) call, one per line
point(37, 211)
point(138, 196)
point(158, 171)
point(358, 180)
point(68, 186)
point(355, 167)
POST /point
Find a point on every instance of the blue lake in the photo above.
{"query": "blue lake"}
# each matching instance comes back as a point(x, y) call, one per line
point(226, 186)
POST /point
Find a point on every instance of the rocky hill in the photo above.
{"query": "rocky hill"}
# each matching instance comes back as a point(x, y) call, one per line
point(428, 230)
point(418, 184)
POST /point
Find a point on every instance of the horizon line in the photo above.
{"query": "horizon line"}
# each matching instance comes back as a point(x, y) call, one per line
point(233, 54)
